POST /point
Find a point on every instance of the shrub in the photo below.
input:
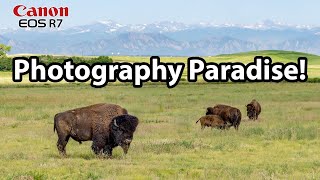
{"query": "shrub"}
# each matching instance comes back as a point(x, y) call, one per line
point(5, 64)
point(314, 80)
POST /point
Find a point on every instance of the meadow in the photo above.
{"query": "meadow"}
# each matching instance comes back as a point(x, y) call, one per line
point(282, 144)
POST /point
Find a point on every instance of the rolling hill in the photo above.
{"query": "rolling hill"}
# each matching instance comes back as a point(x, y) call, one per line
point(245, 57)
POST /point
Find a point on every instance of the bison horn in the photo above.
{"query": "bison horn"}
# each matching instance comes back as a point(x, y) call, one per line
point(115, 123)
point(128, 141)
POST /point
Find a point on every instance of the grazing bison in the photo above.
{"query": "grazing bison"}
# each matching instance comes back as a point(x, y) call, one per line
point(100, 123)
point(253, 109)
point(212, 121)
point(229, 114)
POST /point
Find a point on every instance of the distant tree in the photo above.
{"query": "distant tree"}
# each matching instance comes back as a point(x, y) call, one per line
point(4, 49)
point(103, 59)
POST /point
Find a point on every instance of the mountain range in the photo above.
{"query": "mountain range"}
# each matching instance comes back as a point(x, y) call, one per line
point(163, 39)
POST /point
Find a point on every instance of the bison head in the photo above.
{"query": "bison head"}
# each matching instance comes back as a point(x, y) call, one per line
point(209, 111)
point(250, 111)
point(122, 129)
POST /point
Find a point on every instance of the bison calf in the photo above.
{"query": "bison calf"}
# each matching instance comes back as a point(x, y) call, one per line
point(212, 121)
point(100, 123)
point(229, 114)
point(253, 109)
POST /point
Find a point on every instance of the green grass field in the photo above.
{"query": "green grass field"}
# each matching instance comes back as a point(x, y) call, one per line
point(283, 144)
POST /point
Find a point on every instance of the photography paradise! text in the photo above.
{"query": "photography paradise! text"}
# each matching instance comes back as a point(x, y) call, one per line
point(100, 74)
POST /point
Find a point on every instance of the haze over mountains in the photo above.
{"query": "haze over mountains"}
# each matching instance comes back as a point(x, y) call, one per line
point(163, 38)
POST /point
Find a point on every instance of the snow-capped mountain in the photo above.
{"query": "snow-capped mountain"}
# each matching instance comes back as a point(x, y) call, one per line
point(163, 38)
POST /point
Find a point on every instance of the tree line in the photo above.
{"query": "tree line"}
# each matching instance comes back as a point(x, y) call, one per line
point(6, 62)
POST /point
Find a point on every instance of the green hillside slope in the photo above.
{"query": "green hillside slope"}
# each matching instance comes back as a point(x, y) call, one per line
point(277, 56)
point(246, 57)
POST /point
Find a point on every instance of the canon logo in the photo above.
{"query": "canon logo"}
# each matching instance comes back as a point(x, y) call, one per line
point(21, 10)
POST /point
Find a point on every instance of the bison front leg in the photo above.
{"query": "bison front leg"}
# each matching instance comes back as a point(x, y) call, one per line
point(108, 150)
point(98, 150)
point(98, 143)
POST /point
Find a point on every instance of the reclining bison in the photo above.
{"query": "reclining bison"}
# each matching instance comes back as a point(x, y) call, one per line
point(253, 109)
point(107, 125)
point(213, 121)
point(229, 114)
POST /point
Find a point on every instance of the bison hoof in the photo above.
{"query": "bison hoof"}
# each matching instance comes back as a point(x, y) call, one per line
point(63, 155)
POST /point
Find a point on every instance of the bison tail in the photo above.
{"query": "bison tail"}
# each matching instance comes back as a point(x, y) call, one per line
point(197, 121)
point(54, 127)
point(55, 123)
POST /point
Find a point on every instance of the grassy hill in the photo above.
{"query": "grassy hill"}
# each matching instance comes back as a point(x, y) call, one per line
point(277, 56)
point(245, 57)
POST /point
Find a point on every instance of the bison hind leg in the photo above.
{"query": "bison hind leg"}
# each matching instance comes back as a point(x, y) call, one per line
point(255, 116)
point(61, 145)
point(237, 126)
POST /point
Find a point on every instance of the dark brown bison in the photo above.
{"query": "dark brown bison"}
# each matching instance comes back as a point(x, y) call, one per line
point(229, 114)
point(101, 123)
point(253, 109)
point(213, 121)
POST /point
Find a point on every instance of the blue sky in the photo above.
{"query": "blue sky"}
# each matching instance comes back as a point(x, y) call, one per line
point(186, 11)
